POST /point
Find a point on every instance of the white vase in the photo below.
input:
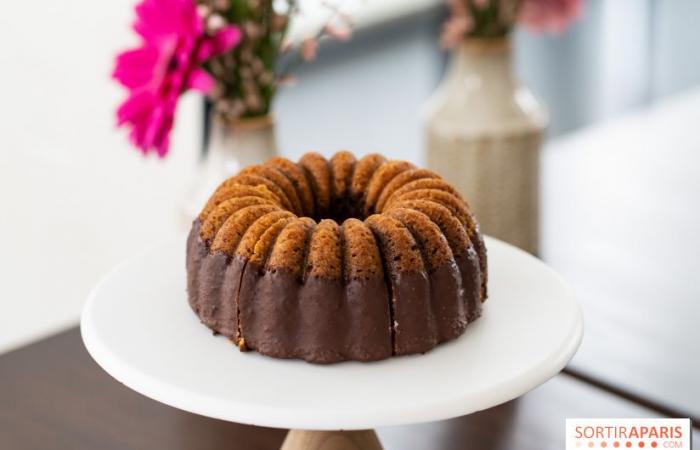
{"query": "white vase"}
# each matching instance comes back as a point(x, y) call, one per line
point(230, 147)
point(484, 132)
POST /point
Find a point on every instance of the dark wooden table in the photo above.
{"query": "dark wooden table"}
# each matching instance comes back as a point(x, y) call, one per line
point(53, 396)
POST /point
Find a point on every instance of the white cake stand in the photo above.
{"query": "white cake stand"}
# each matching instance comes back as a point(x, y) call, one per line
point(138, 326)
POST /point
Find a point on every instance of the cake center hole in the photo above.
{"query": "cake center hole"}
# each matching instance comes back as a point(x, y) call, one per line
point(342, 209)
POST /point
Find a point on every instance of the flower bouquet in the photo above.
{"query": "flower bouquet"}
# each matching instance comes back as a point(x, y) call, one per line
point(227, 50)
point(494, 19)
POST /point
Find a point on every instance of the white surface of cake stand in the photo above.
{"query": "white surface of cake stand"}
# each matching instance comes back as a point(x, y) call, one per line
point(138, 326)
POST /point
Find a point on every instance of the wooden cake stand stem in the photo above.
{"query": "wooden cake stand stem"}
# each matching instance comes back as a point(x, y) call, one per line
point(331, 440)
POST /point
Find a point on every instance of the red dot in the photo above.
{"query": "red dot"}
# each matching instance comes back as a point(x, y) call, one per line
point(641, 444)
point(628, 444)
point(653, 444)
point(616, 444)
point(603, 444)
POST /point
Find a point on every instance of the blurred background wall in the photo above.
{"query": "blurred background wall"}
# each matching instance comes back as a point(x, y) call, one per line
point(621, 55)
point(56, 58)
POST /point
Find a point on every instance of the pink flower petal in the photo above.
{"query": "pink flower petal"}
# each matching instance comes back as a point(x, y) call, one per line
point(134, 107)
point(166, 64)
point(200, 81)
point(309, 49)
point(549, 15)
point(134, 68)
point(163, 139)
point(338, 33)
point(226, 39)
point(153, 126)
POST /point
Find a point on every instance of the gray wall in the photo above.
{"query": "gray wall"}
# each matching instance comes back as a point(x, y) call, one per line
point(366, 94)
point(675, 45)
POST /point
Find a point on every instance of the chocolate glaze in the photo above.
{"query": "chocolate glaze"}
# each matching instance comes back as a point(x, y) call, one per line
point(196, 251)
point(212, 285)
point(468, 263)
point(448, 301)
point(480, 248)
point(323, 320)
point(320, 320)
point(415, 330)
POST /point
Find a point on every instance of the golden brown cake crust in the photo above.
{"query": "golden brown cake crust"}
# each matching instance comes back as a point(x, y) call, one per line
point(400, 181)
point(280, 180)
point(298, 178)
point(454, 204)
point(434, 247)
point(325, 258)
point(224, 210)
point(318, 171)
point(290, 249)
point(252, 179)
point(364, 169)
point(253, 235)
point(423, 183)
point(384, 174)
point(342, 167)
point(401, 252)
point(450, 226)
point(230, 189)
point(231, 232)
point(362, 258)
point(263, 247)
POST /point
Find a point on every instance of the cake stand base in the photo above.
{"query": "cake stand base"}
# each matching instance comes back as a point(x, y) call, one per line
point(331, 440)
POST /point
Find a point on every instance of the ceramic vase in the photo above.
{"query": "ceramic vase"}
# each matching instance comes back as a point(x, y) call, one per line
point(484, 132)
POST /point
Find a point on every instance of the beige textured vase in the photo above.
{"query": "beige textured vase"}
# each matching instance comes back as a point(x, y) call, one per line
point(231, 147)
point(484, 132)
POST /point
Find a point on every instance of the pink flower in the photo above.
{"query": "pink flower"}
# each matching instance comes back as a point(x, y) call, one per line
point(166, 64)
point(309, 49)
point(339, 33)
point(549, 15)
point(454, 29)
point(458, 25)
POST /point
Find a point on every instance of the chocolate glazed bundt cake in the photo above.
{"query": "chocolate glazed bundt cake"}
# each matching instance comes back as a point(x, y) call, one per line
point(336, 260)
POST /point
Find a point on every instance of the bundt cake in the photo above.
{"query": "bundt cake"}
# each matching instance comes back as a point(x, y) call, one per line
point(334, 260)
